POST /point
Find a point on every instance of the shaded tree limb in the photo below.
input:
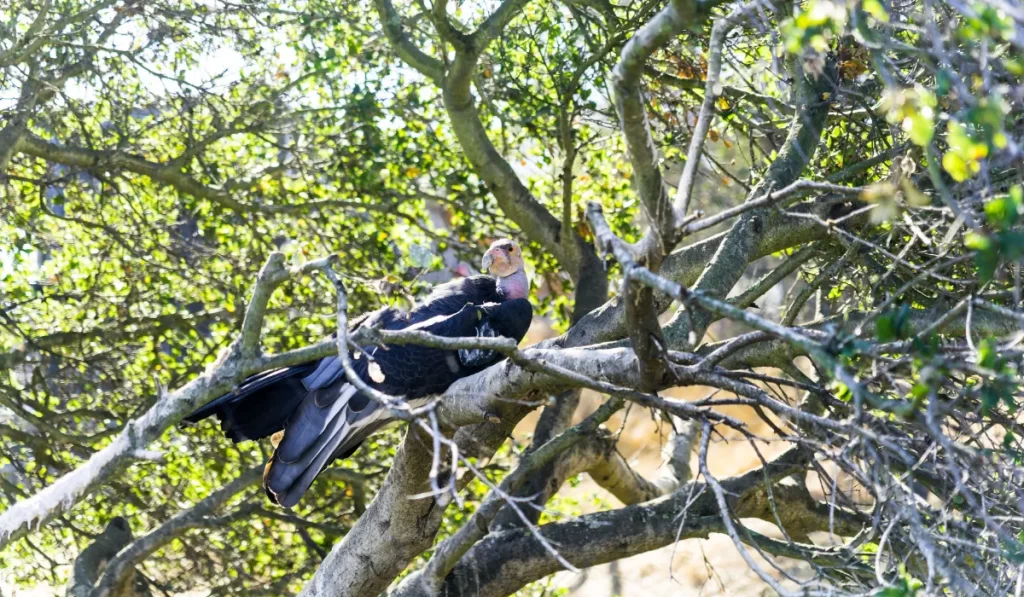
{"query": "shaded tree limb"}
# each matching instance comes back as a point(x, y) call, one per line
point(93, 558)
point(170, 174)
point(123, 564)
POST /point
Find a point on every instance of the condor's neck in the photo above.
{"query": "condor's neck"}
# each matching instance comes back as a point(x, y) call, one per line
point(514, 286)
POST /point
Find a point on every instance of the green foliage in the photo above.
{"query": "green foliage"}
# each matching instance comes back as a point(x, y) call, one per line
point(294, 126)
point(998, 385)
point(893, 324)
point(1006, 240)
point(906, 587)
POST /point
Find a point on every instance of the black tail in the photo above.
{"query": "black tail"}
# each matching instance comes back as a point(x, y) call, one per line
point(260, 406)
point(330, 423)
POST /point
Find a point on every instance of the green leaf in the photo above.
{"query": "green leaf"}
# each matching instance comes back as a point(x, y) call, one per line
point(956, 166)
point(892, 325)
point(920, 128)
point(875, 9)
point(1002, 212)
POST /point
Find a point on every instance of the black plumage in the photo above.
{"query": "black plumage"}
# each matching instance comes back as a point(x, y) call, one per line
point(325, 418)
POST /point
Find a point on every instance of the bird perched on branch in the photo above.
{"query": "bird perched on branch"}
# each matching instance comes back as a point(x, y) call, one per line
point(324, 417)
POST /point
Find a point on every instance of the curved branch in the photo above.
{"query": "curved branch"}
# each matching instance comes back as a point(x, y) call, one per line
point(504, 562)
point(90, 562)
point(168, 174)
point(577, 257)
point(123, 564)
point(428, 66)
point(242, 358)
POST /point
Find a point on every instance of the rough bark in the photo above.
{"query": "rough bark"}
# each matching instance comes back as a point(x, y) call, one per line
point(608, 322)
point(553, 420)
point(506, 561)
point(94, 558)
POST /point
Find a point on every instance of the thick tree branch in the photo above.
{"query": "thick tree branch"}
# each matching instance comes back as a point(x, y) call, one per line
point(636, 130)
point(169, 174)
point(449, 552)
point(504, 562)
point(663, 227)
point(428, 66)
point(554, 419)
point(93, 558)
point(514, 199)
point(684, 266)
point(609, 469)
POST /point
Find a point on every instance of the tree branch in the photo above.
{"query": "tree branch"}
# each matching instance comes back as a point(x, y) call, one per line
point(391, 22)
point(504, 562)
point(451, 550)
point(684, 266)
point(121, 566)
point(736, 250)
point(554, 419)
point(242, 358)
point(169, 174)
point(90, 562)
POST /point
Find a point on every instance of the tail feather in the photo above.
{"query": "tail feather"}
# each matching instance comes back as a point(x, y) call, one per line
point(286, 483)
point(317, 435)
point(310, 422)
point(282, 475)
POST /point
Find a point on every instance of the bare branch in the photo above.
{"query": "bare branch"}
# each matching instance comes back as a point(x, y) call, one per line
point(451, 550)
point(685, 265)
point(505, 561)
point(712, 91)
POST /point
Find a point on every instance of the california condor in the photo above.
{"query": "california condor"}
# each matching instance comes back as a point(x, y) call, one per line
point(325, 418)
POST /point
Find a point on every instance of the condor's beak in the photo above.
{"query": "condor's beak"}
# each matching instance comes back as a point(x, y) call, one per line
point(486, 262)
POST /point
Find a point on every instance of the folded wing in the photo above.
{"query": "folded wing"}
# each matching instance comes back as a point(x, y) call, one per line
point(324, 417)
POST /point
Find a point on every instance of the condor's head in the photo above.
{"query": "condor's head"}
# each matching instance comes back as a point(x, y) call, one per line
point(504, 261)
